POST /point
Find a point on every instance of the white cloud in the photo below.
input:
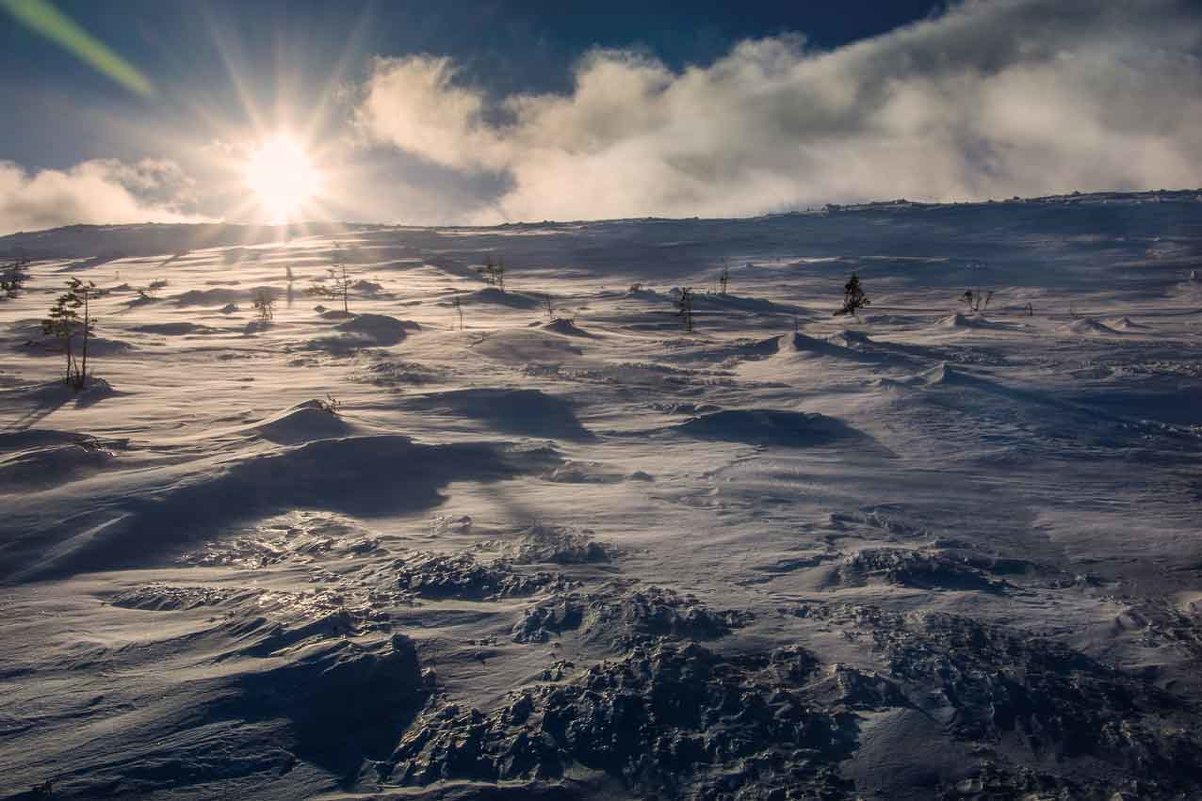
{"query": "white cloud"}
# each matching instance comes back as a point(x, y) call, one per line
point(992, 99)
point(97, 191)
point(413, 103)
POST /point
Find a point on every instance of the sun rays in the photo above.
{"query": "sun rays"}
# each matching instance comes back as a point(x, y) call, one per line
point(283, 179)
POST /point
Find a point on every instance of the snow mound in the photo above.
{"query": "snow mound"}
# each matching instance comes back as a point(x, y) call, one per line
point(494, 296)
point(380, 329)
point(941, 374)
point(304, 422)
point(365, 331)
point(714, 300)
point(364, 476)
point(848, 338)
point(958, 320)
point(344, 701)
point(624, 618)
point(515, 411)
point(917, 569)
point(802, 345)
point(210, 297)
point(581, 472)
point(53, 394)
point(996, 684)
point(553, 544)
point(172, 329)
point(463, 577)
point(1127, 324)
point(1088, 326)
point(668, 714)
point(41, 458)
point(38, 344)
point(760, 348)
point(769, 427)
point(562, 325)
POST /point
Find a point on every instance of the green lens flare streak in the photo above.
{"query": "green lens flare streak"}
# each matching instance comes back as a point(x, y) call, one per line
point(43, 17)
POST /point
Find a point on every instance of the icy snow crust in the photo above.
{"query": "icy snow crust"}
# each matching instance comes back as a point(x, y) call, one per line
point(582, 554)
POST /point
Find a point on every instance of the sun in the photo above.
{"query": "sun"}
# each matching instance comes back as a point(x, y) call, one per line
point(282, 177)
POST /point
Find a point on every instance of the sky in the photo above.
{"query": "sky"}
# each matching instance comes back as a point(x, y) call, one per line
point(487, 111)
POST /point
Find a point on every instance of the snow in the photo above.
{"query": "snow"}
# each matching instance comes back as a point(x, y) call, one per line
point(915, 553)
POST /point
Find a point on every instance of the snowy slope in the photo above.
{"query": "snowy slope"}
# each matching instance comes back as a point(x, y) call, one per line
point(921, 553)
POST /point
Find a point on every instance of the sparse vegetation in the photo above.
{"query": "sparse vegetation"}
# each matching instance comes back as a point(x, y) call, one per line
point(975, 300)
point(330, 405)
point(337, 285)
point(458, 306)
point(494, 272)
point(724, 280)
point(148, 292)
point(549, 307)
point(853, 297)
point(264, 305)
point(684, 308)
point(71, 317)
point(14, 277)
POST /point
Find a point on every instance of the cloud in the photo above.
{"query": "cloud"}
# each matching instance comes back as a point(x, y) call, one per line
point(991, 99)
point(97, 191)
point(413, 103)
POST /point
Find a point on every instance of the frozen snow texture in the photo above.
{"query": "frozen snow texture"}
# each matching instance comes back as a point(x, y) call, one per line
point(919, 554)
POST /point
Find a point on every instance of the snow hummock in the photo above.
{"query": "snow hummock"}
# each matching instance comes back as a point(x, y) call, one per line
point(1088, 325)
point(304, 422)
point(769, 427)
point(394, 551)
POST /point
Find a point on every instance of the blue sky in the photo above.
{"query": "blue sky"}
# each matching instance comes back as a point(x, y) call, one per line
point(485, 111)
point(506, 47)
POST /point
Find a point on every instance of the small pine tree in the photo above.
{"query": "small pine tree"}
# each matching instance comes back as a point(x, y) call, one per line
point(853, 297)
point(458, 306)
point(550, 308)
point(14, 277)
point(69, 317)
point(684, 308)
point(724, 280)
point(264, 304)
point(338, 283)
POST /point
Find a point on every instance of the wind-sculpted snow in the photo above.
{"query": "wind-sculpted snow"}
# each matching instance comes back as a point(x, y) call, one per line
point(669, 721)
point(366, 476)
point(514, 411)
point(306, 421)
point(1014, 693)
point(364, 331)
point(770, 427)
point(551, 544)
point(566, 327)
point(546, 543)
point(626, 617)
point(462, 576)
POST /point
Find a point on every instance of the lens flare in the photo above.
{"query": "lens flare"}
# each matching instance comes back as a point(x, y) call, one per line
point(282, 177)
